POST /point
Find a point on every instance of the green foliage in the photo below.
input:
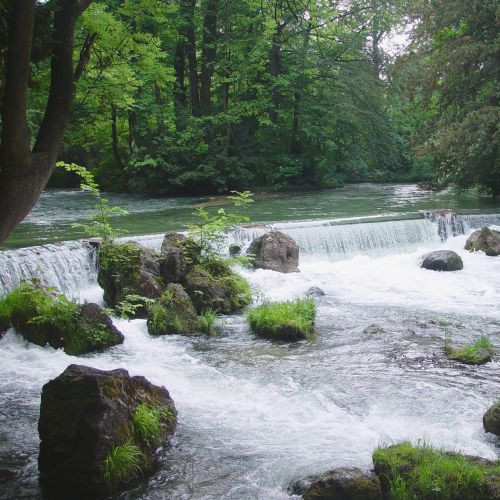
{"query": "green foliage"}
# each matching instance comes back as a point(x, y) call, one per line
point(147, 424)
point(5, 313)
point(122, 463)
point(289, 320)
point(477, 353)
point(206, 322)
point(209, 233)
point(423, 472)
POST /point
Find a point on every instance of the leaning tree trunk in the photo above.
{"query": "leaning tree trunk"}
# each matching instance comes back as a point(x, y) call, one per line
point(24, 172)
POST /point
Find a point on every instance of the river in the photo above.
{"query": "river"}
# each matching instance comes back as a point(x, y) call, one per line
point(254, 414)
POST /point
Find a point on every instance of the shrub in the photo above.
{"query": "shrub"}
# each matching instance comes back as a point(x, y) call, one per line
point(4, 316)
point(122, 463)
point(206, 323)
point(477, 353)
point(290, 320)
point(422, 472)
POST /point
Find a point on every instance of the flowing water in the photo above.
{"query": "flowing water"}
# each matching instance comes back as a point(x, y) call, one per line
point(254, 414)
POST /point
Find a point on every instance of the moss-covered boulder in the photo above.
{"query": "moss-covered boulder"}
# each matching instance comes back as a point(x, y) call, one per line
point(422, 472)
point(288, 320)
point(477, 353)
point(345, 483)
point(99, 430)
point(175, 259)
point(127, 269)
point(486, 240)
point(172, 313)
point(5, 322)
point(491, 419)
point(213, 285)
point(44, 317)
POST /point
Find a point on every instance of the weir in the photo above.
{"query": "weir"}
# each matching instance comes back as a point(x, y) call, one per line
point(70, 266)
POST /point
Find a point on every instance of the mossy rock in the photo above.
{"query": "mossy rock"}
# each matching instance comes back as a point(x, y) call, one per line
point(223, 291)
point(5, 322)
point(422, 472)
point(100, 430)
point(172, 313)
point(288, 320)
point(45, 317)
point(469, 354)
point(128, 269)
point(486, 240)
point(491, 419)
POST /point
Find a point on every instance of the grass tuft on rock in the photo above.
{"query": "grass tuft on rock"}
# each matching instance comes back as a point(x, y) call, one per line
point(289, 320)
point(147, 423)
point(409, 472)
point(477, 353)
point(206, 322)
point(123, 463)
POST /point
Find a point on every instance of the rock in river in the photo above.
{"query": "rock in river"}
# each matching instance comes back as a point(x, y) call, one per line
point(485, 240)
point(442, 260)
point(275, 251)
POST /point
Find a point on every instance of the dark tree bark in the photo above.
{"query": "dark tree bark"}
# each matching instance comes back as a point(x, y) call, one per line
point(275, 70)
point(208, 56)
point(179, 86)
point(194, 90)
point(24, 173)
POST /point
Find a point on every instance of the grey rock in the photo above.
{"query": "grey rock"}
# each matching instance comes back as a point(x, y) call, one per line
point(485, 240)
point(275, 251)
point(442, 260)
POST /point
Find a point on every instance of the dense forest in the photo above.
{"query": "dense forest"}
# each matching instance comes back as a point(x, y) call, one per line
point(203, 96)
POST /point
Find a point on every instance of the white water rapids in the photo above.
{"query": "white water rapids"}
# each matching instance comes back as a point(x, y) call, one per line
point(255, 415)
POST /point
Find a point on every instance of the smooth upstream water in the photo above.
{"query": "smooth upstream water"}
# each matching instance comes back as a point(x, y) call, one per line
point(254, 414)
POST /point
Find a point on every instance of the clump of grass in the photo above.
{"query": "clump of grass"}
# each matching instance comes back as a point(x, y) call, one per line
point(4, 316)
point(477, 353)
point(122, 463)
point(147, 424)
point(411, 472)
point(289, 320)
point(206, 322)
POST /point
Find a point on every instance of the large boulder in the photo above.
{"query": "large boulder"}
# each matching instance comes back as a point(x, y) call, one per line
point(491, 419)
point(173, 313)
point(442, 260)
point(346, 483)
point(215, 286)
point(174, 263)
point(485, 240)
point(128, 269)
point(275, 251)
point(46, 318)
point(92, 440)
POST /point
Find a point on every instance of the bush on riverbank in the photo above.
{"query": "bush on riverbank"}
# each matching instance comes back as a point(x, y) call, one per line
point(408, 472)
point(477, 353)
point(289, 320)
point(4, 317)
point(44, 317)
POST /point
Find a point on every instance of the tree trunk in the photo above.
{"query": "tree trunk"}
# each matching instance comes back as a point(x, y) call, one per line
point(275, 70)
point(24, 173)
point(114, 139)
point(194, 91)
point(208, 56)
point(179, 86)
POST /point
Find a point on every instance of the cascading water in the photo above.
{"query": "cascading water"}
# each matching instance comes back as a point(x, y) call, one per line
point(255, 415)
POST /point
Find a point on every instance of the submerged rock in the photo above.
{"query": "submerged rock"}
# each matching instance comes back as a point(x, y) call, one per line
point(91, 436)
point(485, 240)
point(345, 483)
point(442, 260)
point(275, 251)
point(174, 262)
point(315, 291)
point(128, 269)
point(491, 419)
point(373, 329)
point(469, 355)
point(173, 313)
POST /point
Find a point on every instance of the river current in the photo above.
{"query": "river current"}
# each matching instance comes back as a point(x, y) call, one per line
point(255, 415)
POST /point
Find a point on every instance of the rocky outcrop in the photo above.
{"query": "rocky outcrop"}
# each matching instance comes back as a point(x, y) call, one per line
point(346, 483)
point(442, 260)
point(485, 240)
point(275, 251)
point(173, 313)
point(491, 419)
point(174, 261)
point(128, 269)
point(46, 318)
point(91, 437)
point(315, 291)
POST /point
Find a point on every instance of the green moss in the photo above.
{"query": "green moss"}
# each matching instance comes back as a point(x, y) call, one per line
point(410, 472)
point(477, 353)
point(44, 317)
point(172, 313)
point(240, 294)
point(123, 462)
point(290, 320)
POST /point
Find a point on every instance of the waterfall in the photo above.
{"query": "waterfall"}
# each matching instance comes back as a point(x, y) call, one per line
point(449, 223)
point(68, 266)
